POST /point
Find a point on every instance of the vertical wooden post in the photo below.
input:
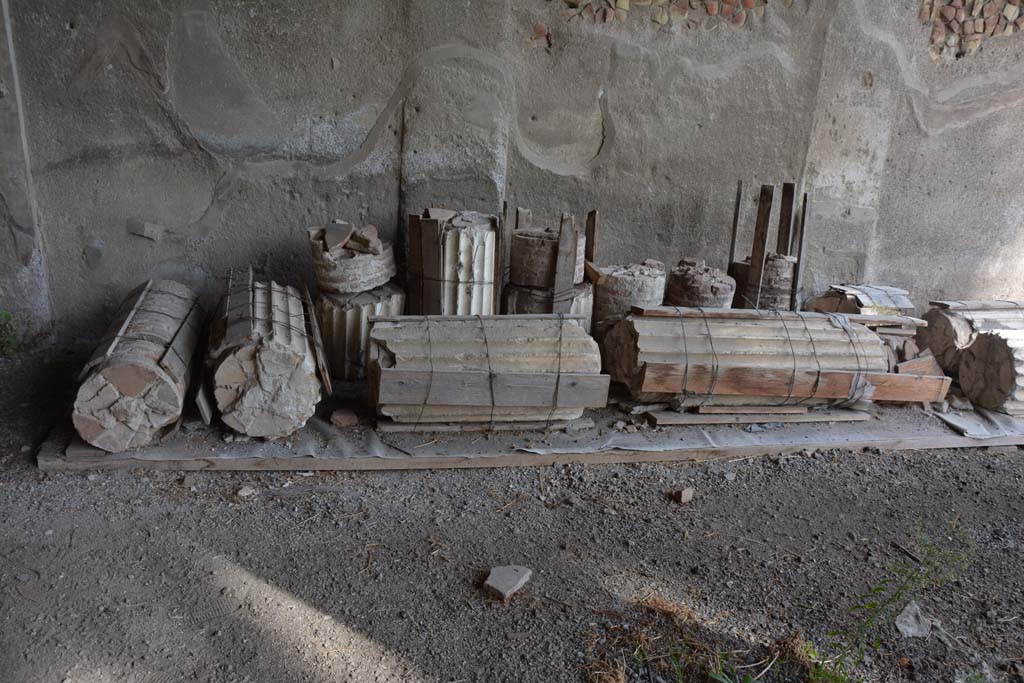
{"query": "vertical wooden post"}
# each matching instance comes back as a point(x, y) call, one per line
point(503, 254)
point(590, 253)
point(784, 242)
point(565, 265)
point(415, 278)
point(735, 224)
point(799, 242)
point(760, 247)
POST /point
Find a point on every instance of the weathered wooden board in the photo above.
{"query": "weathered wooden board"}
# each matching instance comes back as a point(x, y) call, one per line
point(699, 444)
point(671, 418)
point(752, 410)
point(473, 388)
point(752, 381)
point(743, 314)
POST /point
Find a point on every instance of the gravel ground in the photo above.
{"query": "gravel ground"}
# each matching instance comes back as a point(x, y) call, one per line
point(163, 576)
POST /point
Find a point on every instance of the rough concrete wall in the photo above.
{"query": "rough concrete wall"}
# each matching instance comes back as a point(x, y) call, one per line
point(914, 164)
point(23, 289)
point(234, 124)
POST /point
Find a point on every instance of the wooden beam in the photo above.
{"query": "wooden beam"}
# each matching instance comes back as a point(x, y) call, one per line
point(735, 224)
point(181, 452)
point(502, 389)
point(783, 245)
point(565, 265)
point(741, 314)
point(760, 248)
point(800, 243)
point(672, 418)
point(752, 410)
point(826, 384)
point(504, 255)
point(590, 253)
point(414, 268)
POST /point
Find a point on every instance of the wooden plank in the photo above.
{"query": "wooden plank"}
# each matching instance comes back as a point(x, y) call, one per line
point(782, 244)
point(752, 410)
point(800, 241)
point(318, 344)
point(735, 224)
point(504, 256)
point(590, 251)
point(180, 454)
point(473, 388)
point(414, 281)
point(753, 381)
point(389, 427)
point(593, 275)
point(745, 314)
point(671, 418)
point(565, 265)
point(760, 249)
point(925, 364)
point(474, 318)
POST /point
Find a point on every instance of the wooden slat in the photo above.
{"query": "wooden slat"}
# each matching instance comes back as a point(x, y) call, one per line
point(760, 249)
point(672, 418)
point(389, 427)
point(783, 245)
point(415, 265)
point(590, 251)
point(735, 224)
point(925, 364)
point(745, 314)
point(565, 265)
point(474, 318)
point(800, 242)
point(473, 388)
point(752, 410)
point(593, 275)
point(753, 381)
point(503, 253)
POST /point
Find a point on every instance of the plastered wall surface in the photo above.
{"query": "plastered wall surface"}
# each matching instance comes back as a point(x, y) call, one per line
point(229, 126)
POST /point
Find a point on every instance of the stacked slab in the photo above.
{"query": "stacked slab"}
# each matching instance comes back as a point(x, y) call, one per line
point(454, 263)
point(532, 271)
point(484, 369)
point(261, 359)
point(133, 388)
point(353, 269)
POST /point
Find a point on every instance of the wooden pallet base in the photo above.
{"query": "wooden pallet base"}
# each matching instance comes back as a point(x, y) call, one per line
point(64, 451)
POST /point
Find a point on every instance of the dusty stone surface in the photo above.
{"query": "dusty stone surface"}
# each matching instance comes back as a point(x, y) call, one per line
point(375, 576)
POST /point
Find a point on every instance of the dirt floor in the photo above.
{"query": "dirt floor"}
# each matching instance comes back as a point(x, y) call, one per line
point(163, 576)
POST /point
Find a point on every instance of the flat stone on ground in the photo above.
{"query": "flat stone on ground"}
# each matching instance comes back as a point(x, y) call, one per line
point(507, 580)
point(343, 417)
